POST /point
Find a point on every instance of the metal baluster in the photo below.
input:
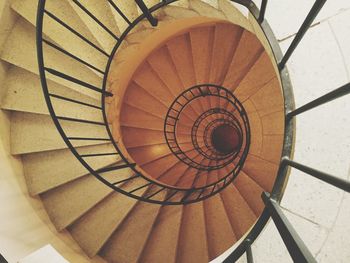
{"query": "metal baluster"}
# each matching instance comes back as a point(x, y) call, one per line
point(303, 29)
point(153, 21)
point(296, 247)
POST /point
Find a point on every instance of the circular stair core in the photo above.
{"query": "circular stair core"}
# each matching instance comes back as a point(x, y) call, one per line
point(218, 54)
point(225, 138)
point(209, 55)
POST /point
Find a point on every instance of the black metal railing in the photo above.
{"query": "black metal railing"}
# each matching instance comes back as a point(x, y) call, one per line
point(135, 184)
point(82, 131)
point(231, 112)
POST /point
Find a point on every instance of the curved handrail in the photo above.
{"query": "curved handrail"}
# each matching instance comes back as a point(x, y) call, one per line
point(124, 163)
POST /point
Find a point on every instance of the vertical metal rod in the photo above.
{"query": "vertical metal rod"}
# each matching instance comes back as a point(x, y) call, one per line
point(116, 8)
point(296, 247)
point(249, 253)
point(335, 94)
point(302, 30)
point(262, 11)
point(153, 21)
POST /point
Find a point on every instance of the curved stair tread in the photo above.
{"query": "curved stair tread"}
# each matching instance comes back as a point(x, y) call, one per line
point(171, 175)
point(161, 245)
point(46, 170)
point(248, 51)
point(20, 46)
point(261, 171)
point(272, 98)
point(192, 243)
point(260, 74)
point(149, 80)
point(178, 12)
point(102, 11)
point(238, 211)
point(66, 203)
point(146, 154)
point(220, 235)
point(180, 50)
point(106, 216)
point(134, 140)
point(36, 133)
point(250, 191)
point(127, 242)
point(24, 94)
point(225, 42)
point(234, 15)
point(129, 8)
point(206, 9)
point(203, 37)
point(65, 39)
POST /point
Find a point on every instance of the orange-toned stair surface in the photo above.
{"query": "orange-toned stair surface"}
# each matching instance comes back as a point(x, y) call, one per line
point(200, 71)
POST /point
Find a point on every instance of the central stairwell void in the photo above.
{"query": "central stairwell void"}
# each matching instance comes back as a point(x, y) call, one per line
point(181, 112)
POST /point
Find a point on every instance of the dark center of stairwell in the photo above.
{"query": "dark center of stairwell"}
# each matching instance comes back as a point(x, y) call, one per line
point(225, 139)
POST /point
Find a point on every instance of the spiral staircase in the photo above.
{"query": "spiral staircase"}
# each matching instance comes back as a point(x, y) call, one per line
point(176, 117)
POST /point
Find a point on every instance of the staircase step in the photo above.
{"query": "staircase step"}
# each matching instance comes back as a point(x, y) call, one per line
point(269, 98)
point(68, 202)
point(102, 218)
point(226, 40)
point(36, 133)
point(46, 170)
point(20, 46)
point(250, 191)
point(203, 37)
point(172, 170)
point(192, 242)
point(180, 53)
point(149, 80)
point(162, 242)
point(220, 235)
point(161, 63)
point(140, 118)
point(129, 9)
point(179, 12)
point(127, 242)
point(258, 76)
point(234, 15)
point(151, 153)
point(59, 34)
point(248, 51)
point(135, 139)
point(161, 165)
point(206, 10)
point(238, 211)
point(140, 98)
point(103, 12)
point(263, 172)
point(25, 94)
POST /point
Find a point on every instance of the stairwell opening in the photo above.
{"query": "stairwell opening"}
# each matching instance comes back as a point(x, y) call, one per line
point(225, 138)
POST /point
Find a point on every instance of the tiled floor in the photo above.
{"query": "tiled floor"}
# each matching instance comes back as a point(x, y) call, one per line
point(320, 213)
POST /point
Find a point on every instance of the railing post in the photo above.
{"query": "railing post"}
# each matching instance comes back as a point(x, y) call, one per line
point(296, 247)
point(249, 253)
point(153, 21)
point(330, 179)
point(262, 11)
point(335, 94)
point(302, 30)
